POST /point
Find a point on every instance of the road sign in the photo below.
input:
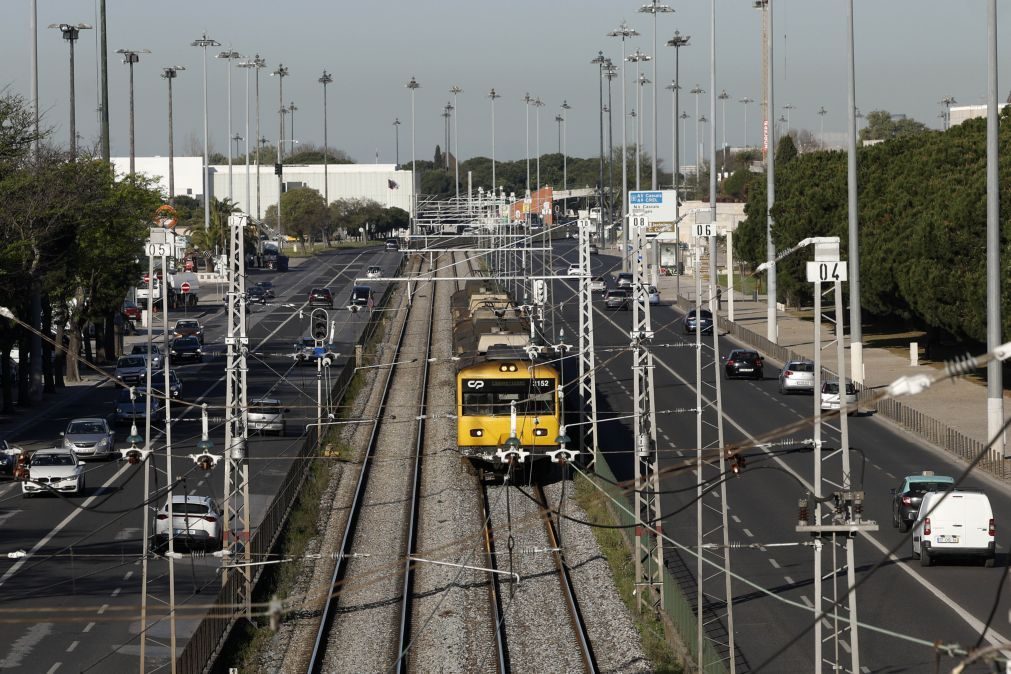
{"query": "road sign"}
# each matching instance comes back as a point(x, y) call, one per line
point(704, 229)
point(185, 287)
point(659, 205)
point(826, 271)
point(640, 222)
point(158, 249)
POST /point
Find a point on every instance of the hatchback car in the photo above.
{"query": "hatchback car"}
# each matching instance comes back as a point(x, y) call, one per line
point(616, 299)
point(130, 310)
point(830, 396)
point(131, 369)
point(256, 295)
point(189, 327)
point(598, 284)
point(705, 321)
point(156, 353)
point(56, 469)
point(266, 414)
point(574, 270)
point(907, 498)
point(373, 272)
point(175, 385)
point(90, 437)
point(267, 287)
point(797, 375)
point(623, 279)
point(196, 522)
point(392, 244)
point(187, 348)
point(361, 298)
point(133, 409)
point(321, 297)
point(743, 363)
point(654, 294)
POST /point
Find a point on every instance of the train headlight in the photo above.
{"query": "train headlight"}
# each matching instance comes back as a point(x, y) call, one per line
point(540, 432)
point(503, 368)
point(476, 433)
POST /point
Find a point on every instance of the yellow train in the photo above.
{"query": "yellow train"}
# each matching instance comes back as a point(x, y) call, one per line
point(507, 404)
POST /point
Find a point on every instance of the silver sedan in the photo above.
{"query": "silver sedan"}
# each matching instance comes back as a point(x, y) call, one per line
point(90, 437)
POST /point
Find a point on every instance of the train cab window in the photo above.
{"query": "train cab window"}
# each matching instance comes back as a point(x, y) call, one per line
point(494, 397)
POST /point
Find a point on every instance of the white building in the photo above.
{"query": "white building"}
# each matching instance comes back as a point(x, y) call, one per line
point(960, 113)
point(381, 183)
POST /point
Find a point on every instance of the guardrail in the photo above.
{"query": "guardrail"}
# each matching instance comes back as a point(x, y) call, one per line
point(198, 653)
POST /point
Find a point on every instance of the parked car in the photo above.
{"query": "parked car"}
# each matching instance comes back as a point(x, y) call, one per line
point(266, 414)
point(196, 522)
point(131, 369)
point(830, 396)
point(616, 298)
point(56, 469)
point(90, 437)
point(321, 297)
point(623, 279)
point(133, 409)
point(189, 327)
point(156, 353)
point(654, 294)
point(705, 321)
point(130, 310)
point(598, 284)
point(361, 298)
point(187, 348)
point(797, 375)
point(374, 272)
point(955, 523)
point(743, 363)
point(907, 498)
point(267, 287)
point(9, 455)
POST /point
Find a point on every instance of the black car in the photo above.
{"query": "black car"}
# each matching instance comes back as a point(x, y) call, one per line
point(706, 321)
point(268, 288)
point(321, 297)
point(743, 363)
point(256, 295)
point(186, 348)
point(907, 498)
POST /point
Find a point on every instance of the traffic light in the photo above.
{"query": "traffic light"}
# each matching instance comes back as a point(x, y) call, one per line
point(134, 455)
point(320, 325)
point(277, 169)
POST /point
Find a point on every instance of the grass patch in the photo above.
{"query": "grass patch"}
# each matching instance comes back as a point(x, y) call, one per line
point(745, 284)
point(614, 548)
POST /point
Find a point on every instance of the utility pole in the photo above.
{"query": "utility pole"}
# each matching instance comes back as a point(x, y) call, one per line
point(396, 138)
point(994, 375)
point(280, 74)
point(654, 9)
point(455, 90)
point(538, 104)
point(230, 55)
point(723, 97)
point(104, 42)
point(638, 57)
point(169, 73)
point(247, 65)
point(237, 523)
point(130, 57)
point(565, 156)
point(599, 60)
point(326, 79)
point(71, 34)
point(587, 364)
point(527, 100)
point(624, 32)
point(204, 42)
point(772, 318)
point(494, 186)
point(413, 86)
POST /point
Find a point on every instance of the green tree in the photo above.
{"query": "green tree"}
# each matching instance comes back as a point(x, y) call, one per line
point(882, 126)
point(786, 151)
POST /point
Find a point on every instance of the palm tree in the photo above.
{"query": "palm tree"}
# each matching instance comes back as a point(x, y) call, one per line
point(214, 239)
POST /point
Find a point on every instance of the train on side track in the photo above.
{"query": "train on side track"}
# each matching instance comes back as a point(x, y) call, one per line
point(508, 404)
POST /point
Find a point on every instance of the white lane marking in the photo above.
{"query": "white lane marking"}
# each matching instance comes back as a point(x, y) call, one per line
point(774, 563)
point(865, 670)
point(72, 646)
point(102, 609)
point(736, 519)
point(25, 644)
point(56, 665)
point(789, 580)
point(807, 602)
point(845, 646)
point(748, 533)
point(115, 593)
point(127, 575)
point(88, 627)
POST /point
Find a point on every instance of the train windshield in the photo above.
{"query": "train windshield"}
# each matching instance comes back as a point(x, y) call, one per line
point(494, 397)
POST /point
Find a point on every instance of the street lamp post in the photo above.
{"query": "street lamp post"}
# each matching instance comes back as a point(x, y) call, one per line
point(746, 101)
point(538, 104)
point(610, 72)
point(599, 60)
point(230, 55)
point(455, 90)
point(257, 64)
point(413, 86)
point(821, 134)
point(280, 74)
point(527, 100)
point(131, 56)
point(677, 42)
point(291, 110)
point(788, 107)
point(71, 34)
point(638, 57)
point(447, 112)
point(325, 79)
point(684, 132)
point(204, 42)
point(565, 154)
point(654, 9)
point(236, 139)
point(723, 97)
point(624, 32)
point(698, 139)
point(492, 95)
point(169, 73)
point(396, 138)
point(643, 81)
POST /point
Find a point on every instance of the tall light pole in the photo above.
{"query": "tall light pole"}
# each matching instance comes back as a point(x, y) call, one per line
point(291, 111)
point(610, 72)
point(994, 376)
point(71, 34)
point(280, 74)
point(700, 130)
point(104, 69)
point(747, 100)
point(947, 102)
point(247, 65)
point(230, 55)
point(643, 81)
point(413, 86)
point(654, 9)
point(638, 57)
point(821, 134)
point(565, 155)
point(131, 56)
point(325, 79)
point(538, 104)
point(624, 32)
point(788, 107)
point(684, 132)
point(447, 112)
point(492, 95)
point(677, 42)
point(698, 90)
point(396, 138)
point(169, 73)
point(599, 60)
point(527, 100)
point(204, 42)
point(723, 97)
point(257, 64)
point(455, 90)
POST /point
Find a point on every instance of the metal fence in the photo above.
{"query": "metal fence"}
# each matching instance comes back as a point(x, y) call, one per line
point(678, 611)
point(198, 653)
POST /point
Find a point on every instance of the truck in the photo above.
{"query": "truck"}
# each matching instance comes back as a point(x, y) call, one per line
point(177, 299)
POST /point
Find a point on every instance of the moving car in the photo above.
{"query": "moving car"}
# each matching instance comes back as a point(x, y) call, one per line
point(156, 353)
point(321, 297)
point(133, 409)
point(955, 523)
point(705, 320)
point(90, 437)
point(175, 385)
point(266, 414)
point(574, 270)
point(392, 244)
point(187, 348)
point(594, 250)
point(616, 298)
point(374, 272)
point(189, 327)
point(267, 287)
point(196, 522)
point(9, 455)
point(830, 396)
point(598, 284)
point(131, 369)
point(797, 375)
point(654, 294)
point(743, 363)
point(361, 298)
point(906, 499)
point(130, 310)
point(55, 469)
point(623, 279)
point(256, 295)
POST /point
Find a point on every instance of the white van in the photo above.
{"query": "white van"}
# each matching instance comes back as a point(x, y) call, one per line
point(955, 523)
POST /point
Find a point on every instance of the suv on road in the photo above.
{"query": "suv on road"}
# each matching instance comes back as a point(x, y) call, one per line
point(321, 297)
point(196, 522)
point(361, 298)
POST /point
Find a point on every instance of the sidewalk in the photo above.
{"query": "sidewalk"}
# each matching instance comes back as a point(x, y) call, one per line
point(959, 405)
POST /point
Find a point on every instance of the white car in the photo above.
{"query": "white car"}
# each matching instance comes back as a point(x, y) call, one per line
point(574, 270)
point(90, 437)
point(55, 469)
point(955, 524)
point(654, 294)
point(267, 414)
point(196, 522)
point(797, 375)
point(374, 272)
point(598, 284)
point(830, 396)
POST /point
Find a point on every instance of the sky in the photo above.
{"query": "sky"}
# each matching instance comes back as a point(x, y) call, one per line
point(909, 55)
